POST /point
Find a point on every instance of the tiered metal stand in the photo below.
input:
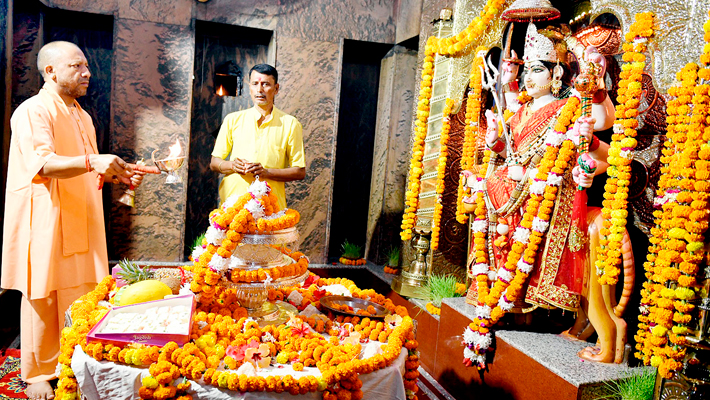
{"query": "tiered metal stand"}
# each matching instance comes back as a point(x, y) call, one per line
point(257, 251)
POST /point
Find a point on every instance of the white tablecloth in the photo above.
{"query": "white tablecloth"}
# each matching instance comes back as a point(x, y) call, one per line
point(107, 380)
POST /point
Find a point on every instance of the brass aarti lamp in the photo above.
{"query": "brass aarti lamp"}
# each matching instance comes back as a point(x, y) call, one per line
point(171, 164)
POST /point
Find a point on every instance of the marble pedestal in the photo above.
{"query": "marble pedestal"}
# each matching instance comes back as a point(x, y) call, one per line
point(527, 365)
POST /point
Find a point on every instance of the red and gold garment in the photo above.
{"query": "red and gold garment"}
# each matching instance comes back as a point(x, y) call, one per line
point(554, 282)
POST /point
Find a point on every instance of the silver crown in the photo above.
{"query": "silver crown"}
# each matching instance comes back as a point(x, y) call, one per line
point(538, 47)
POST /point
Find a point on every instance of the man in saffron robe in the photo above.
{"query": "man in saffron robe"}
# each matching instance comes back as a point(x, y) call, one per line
point(54, 247)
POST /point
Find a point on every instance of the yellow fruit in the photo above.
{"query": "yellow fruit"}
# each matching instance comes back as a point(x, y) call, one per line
point(142, 291)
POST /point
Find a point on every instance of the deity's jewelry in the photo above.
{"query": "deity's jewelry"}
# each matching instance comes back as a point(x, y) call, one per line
point(556, 86)
point(532, 85)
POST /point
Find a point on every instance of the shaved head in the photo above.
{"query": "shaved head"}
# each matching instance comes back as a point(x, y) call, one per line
point(53, 52)
point(64, 69)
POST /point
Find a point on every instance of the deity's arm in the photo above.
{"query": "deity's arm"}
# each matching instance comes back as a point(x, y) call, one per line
point(600, 155)
point(598, 150)
point(493, 139)
point(603, 112)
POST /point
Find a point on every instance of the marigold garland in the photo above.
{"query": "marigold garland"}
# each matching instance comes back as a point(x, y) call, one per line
point(621, 150)
point(451, 46)
point(391, 270)
point(297, 268)
point(215, 330)
point(676, 245)
point(351, 261)
point(440, 174)
point(494, 302)
point(432, 309)
point(471, 131)
point(253, 212)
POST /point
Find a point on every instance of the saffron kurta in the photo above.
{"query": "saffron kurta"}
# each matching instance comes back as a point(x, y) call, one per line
point(54, 235)
point(276, 143)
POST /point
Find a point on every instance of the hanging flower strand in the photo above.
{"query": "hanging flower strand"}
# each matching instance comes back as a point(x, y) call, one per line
point(621, 151)
point(453, 46)
point(471, 131)
point(677, 248)
point(440, 173)
point(493, 303)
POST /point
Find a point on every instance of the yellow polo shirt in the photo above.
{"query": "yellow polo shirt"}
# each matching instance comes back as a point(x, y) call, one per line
point(277, 143)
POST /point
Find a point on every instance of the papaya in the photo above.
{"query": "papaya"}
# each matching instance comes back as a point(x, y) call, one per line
point(142, 291)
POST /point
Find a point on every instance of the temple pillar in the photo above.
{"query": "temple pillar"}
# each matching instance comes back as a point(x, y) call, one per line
point(151, 104)
point(390, 164)
point(310, 74)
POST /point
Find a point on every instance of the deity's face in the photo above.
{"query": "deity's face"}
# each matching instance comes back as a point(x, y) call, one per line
point(71, 72)
point(538, 79)
point(263, 89)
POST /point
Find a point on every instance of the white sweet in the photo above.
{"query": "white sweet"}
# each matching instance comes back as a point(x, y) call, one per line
point(163, 319)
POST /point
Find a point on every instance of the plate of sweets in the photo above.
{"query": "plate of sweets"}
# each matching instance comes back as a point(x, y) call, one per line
point(353, 306)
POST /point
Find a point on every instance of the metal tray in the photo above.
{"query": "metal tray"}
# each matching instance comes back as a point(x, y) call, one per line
point(357, 304)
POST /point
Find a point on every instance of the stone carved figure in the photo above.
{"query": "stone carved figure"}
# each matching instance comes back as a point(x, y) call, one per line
point(558, 277)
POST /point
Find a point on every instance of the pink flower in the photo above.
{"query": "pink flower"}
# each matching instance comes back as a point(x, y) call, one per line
point(258, 356)
point(298, 327)
point(239, 352)
point(392, 320)
point(354, 338)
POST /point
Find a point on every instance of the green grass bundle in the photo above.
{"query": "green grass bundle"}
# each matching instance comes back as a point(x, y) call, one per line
point(637, 385)
point(198, 241)
point(439, 287)
point(393, 257)
point(350, 250)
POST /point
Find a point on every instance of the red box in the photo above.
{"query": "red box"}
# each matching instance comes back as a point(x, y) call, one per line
point(147, 338)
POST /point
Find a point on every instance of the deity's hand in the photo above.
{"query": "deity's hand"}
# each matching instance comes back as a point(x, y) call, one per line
point(509, 69)
point(582, 178)
point(591, 54)
point(492, 130)
point(584, 127)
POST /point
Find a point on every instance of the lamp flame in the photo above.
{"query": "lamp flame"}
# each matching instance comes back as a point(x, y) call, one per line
point(220, 91)
point(175, 149)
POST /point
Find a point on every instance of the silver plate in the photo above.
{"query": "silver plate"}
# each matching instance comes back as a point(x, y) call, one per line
point(357, 304)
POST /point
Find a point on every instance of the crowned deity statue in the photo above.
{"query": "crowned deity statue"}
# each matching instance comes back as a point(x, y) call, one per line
point(526, 251)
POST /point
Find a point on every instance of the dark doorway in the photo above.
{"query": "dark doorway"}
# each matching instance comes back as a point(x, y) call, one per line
point(215, 45)
point(357, 118)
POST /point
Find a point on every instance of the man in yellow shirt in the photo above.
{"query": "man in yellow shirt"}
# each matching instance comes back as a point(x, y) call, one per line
point(262, 141)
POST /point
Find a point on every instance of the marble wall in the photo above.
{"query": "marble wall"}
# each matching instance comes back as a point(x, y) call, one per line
point(151, 99)
point(26, 42)
point(316, 20)
point(408, 16)
point(390, 163)
point(309, 73)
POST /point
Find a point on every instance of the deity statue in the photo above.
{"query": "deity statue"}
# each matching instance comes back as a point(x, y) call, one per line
point(526, 251)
